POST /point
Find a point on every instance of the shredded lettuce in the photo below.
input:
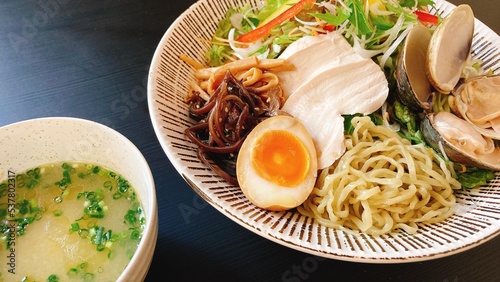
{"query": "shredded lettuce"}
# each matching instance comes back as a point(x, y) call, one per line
point(409, 121)
point(216, 55)
point(370, 31)
point(359, 19)
point(349, 127)
point(243, 20)
point(340, 17)
point(415, 3)
point(219, 53)
point(474, 177)
point(270, 7)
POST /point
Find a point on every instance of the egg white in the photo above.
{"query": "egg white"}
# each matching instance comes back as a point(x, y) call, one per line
point(266, 194)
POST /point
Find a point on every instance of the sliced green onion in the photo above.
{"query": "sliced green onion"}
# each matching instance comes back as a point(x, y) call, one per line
point(108, 235)
point(53, 278)
point(88, 276)
point(33, 206)
point(90, 196)
point(91, 224)
point(108, 185)
point(84, 233)
point(100, 247)
point(98, 235)
point(136, 234)
point(72, 272)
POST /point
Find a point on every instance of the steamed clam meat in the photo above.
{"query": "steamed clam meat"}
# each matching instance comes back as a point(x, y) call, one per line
point(460, 141)
point(477, 100)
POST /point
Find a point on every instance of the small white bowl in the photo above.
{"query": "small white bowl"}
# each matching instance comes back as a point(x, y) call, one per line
point(27, 144)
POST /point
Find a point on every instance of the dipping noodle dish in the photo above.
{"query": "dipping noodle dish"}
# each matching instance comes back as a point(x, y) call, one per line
point(366, 117)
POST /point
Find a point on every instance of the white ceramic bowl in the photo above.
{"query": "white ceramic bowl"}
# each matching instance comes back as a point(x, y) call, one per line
point(30, 143)
point(476, 222)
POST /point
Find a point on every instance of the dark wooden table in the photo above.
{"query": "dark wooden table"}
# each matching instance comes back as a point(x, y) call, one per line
point(90, 59)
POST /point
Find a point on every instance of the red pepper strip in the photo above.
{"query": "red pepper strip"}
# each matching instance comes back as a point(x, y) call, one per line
point(426, 17)
point(264, 30)
point(329, 27)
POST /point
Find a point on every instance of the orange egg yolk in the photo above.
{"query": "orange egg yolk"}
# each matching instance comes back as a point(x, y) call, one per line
point(280, 157)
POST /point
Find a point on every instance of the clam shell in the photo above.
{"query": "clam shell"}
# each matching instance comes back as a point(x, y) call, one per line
point(449, 48)
point(413, 87)
point(454, 153)
point(477, 100)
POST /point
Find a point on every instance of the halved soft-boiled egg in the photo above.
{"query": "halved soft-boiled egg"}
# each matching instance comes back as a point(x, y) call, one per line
point(277, 164)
